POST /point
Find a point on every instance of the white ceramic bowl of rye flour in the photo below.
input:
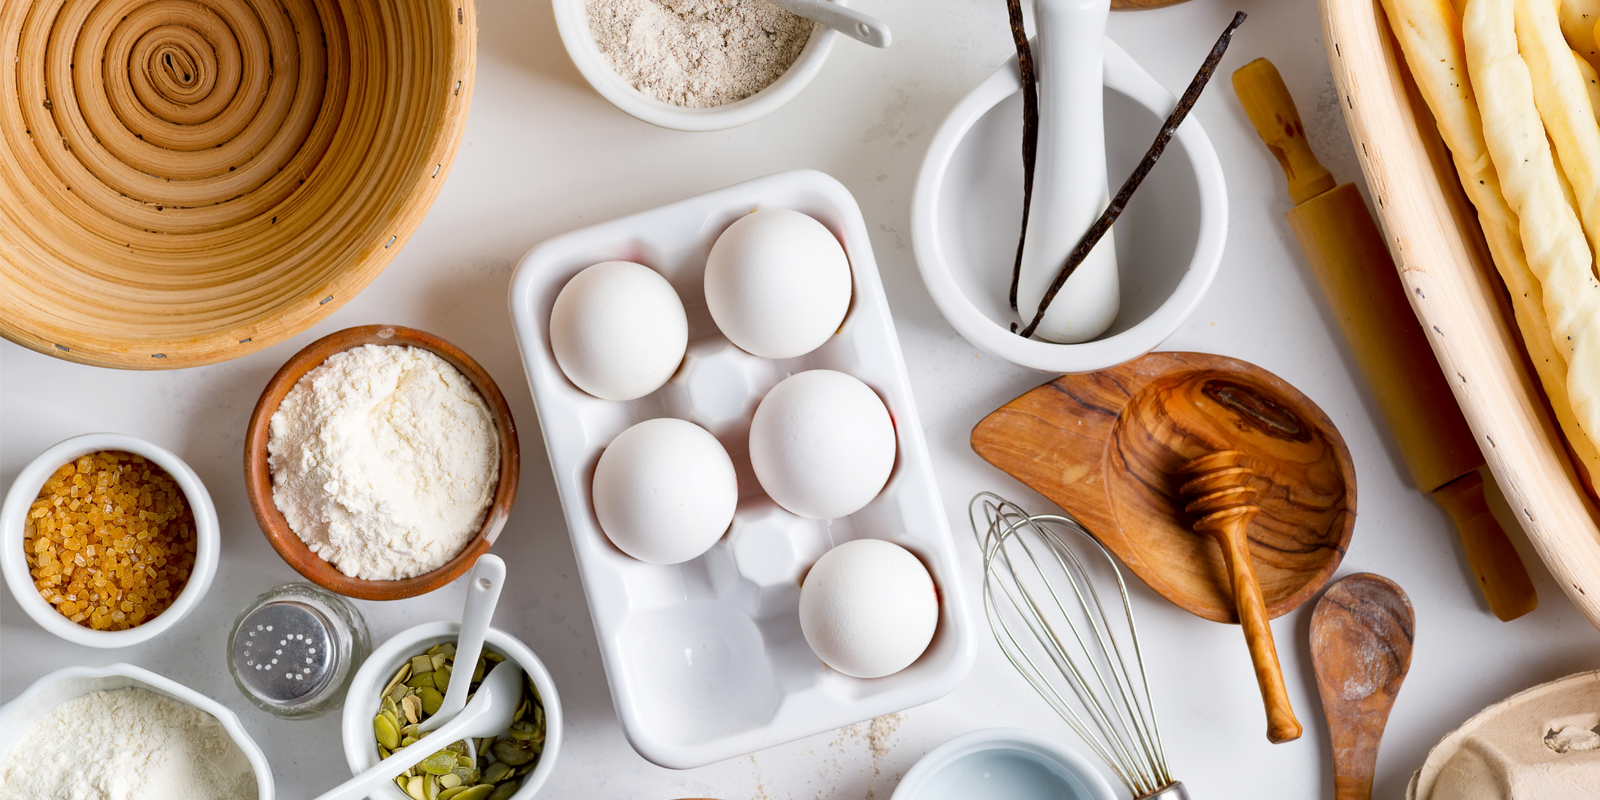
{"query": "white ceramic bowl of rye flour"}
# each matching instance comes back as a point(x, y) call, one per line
point(63, 685)
point(572, 21)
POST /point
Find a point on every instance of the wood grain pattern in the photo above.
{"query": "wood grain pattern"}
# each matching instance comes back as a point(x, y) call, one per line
point(1220, 495)
point(1361, 636)
point(1433, 234)
point(1107, 446)
point(258, 475)
point(237, 171)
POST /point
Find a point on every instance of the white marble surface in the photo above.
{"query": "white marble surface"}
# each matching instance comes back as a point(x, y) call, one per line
point(544, 154)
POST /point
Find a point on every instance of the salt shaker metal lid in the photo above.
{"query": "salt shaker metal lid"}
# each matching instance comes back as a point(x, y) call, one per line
point(293, 650)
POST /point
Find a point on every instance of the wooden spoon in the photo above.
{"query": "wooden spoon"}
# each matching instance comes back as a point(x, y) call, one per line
point(1361, 635)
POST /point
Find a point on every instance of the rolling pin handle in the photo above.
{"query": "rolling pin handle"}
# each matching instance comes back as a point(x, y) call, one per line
point(1494, 562)
point(1271, 110)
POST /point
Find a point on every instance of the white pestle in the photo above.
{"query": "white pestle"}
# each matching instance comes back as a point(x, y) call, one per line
point(1069, 177)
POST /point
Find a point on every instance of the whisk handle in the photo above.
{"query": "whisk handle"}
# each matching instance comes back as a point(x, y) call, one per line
point(1281, 723)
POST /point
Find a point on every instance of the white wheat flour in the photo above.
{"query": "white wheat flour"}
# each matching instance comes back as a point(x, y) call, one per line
point(126, 744)
point(697, 53)
point(384, 460)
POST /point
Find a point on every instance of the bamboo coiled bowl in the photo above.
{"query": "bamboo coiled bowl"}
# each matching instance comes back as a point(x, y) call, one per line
point(186, 181)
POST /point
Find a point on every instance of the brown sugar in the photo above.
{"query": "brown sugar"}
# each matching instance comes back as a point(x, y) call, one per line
point(110, 540)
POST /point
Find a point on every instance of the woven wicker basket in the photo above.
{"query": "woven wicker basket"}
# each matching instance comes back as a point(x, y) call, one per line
point(187, 181)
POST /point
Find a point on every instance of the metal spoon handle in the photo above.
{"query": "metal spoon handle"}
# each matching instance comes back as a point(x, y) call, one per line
point(847, 21)
point(483, 593)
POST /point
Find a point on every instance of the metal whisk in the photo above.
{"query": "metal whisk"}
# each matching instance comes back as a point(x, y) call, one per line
point(1048, 618)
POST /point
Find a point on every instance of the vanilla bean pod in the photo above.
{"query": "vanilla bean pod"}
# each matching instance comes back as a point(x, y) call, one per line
point(1030, 130)
point(1107, 217)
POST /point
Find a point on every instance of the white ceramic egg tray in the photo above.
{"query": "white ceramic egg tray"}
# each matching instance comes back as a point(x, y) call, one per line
point(705, 659)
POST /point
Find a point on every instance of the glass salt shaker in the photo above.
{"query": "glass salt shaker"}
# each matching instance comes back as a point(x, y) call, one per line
point(293, 650)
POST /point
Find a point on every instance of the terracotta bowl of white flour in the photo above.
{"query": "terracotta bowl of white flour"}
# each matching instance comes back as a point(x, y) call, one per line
point(649, 61)
point(457, 480)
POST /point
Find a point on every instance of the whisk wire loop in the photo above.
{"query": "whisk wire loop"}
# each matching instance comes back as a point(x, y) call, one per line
point(1052, 625)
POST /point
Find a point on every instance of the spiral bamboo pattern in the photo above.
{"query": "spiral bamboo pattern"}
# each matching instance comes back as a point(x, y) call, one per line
point(187, 181)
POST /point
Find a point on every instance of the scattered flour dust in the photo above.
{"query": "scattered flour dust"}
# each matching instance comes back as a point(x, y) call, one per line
point(697, 53)
point(384, 460)
point(126, 744)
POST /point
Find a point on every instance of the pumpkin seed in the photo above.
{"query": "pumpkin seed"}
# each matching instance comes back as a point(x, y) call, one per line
point(511, 752)
point(449, 794)
point(421, 664)
point(414, 788)
point(439, 763)
point(449, 780)
point(399, 675)
point(431, 699)
point(407, 741)
point(412, 705)
point(522, 731)
point(504, 791)
point(479, 792)
point(384, 728)
point(497, 772)
point(441, 679)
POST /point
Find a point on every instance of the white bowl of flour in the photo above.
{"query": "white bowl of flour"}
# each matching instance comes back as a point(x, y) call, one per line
point(691, 66)
point(128, 733)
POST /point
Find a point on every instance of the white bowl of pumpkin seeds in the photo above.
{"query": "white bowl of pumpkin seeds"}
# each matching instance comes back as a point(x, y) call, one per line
point(403, 681)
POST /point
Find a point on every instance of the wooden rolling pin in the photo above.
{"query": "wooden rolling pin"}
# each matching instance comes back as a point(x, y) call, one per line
point(1352, 266)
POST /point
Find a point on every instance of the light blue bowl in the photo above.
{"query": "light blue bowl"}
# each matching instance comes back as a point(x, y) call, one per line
point(1003, 764)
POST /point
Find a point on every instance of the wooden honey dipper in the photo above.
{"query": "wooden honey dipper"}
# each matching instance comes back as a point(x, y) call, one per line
point(1220, 500)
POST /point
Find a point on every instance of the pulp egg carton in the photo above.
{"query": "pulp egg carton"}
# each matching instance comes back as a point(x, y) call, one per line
point(705, 659)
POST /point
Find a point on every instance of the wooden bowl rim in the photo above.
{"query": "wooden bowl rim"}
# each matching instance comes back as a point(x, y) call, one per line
point(1182, 363)
point(258, 476)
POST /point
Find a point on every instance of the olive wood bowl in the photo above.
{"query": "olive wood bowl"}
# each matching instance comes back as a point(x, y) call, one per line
point(1108, 446)
point(258, 476)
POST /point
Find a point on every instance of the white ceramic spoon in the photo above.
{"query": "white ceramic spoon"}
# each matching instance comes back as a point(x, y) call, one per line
point(483, 592)
point(847, 21)
point(1069, 175)
point(489, 714)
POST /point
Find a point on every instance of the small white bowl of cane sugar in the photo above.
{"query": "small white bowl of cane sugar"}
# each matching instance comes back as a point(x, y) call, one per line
point(693, 65)
point(121, 731)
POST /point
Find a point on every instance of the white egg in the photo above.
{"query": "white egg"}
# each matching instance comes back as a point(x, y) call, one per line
point(777, 283)
point(822, 444)
point(618, 330)
point(665, 491)
point(868, 608)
